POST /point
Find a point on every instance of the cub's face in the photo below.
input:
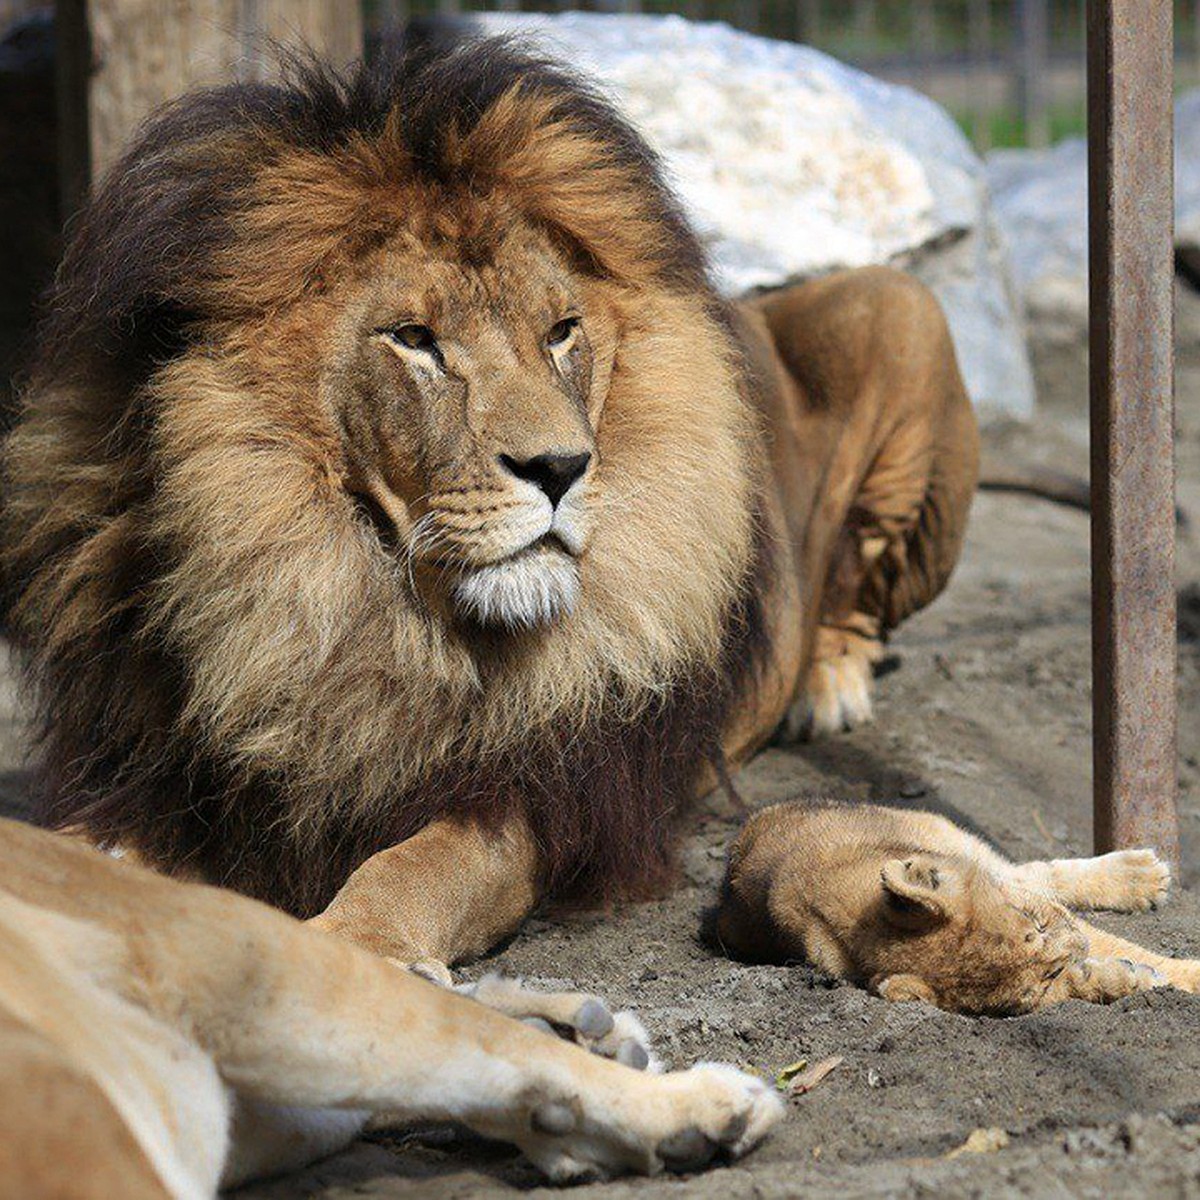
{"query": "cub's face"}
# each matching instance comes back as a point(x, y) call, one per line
point(468, 383)
point(967, 941)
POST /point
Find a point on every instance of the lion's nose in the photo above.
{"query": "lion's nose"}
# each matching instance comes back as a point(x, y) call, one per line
point(553, 473)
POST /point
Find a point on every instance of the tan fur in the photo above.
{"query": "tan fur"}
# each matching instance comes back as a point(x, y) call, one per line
point(917, 909)
point(137, 1014)
point(257, 557)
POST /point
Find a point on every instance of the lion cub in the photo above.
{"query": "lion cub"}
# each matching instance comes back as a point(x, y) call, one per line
point(918, 909)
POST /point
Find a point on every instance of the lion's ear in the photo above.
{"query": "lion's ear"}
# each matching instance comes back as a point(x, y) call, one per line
point(905, 987)
point(914, 891)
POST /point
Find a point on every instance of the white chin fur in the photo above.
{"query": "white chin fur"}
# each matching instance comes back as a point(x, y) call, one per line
point(520, 593)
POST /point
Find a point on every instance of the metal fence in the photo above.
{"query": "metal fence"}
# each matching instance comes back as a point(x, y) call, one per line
point(1011, 71)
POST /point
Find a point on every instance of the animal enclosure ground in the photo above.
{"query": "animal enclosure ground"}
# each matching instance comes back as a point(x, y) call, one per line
point(987, 719)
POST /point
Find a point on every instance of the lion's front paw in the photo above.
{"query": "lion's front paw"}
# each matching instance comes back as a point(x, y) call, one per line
point(677, 1122)
point(1128, 880)
point(577, 1016)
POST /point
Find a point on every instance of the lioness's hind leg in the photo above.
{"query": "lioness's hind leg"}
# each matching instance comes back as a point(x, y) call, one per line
point(874, 348)
point(848, 643)
point(1123, 881)
point(580, 1017)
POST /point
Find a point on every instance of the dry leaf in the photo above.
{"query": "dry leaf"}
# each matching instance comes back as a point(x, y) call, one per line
point(788, 1073)
point(981, 1141)
point(805, 1081)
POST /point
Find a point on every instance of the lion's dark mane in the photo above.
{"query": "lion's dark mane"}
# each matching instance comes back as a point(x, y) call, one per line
point(122, 301)
point(603, 799)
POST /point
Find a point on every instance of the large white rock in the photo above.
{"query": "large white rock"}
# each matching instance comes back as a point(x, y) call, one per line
point(791, 164)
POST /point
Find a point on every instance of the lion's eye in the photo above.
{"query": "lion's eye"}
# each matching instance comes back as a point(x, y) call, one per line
point(412, 337)
point(561, 331)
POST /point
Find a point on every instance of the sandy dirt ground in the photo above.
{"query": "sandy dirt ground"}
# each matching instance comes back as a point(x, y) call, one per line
point(986, 719)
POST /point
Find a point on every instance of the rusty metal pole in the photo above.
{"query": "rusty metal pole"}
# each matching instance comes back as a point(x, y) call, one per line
point(1132, 416)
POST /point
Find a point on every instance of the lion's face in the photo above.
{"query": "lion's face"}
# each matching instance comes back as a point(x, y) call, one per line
point(469, 394)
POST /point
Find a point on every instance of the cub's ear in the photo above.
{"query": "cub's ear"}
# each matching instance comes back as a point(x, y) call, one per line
point(905, 987)
point(914, 891)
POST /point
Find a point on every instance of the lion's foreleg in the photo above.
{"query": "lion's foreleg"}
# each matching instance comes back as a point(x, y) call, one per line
point(449, 893)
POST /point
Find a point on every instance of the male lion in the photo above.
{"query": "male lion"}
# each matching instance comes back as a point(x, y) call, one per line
point(400, 529)
point(918, 909)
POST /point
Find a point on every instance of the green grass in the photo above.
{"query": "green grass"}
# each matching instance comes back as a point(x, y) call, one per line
point(1004, 127)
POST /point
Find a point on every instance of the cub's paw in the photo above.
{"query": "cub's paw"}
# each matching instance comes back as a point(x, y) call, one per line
point(576, 1016)
point(678, 1122)
point(1143, 977)
point(1103, 980)
point(1128, 881)
point(840, 684)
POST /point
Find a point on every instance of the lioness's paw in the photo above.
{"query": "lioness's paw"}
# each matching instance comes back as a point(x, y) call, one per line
point(576, 1016)
point(1129, 880)
point(838, 691)
point(678, 1122)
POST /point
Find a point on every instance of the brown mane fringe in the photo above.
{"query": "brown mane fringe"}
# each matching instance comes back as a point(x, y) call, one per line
point(144, 282)
point(604, 800)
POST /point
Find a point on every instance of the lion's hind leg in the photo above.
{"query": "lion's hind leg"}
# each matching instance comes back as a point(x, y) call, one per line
point(1123, 881)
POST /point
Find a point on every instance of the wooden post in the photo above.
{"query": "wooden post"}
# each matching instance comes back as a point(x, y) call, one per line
point(145, 52)
point(1130, 219)
point(333, 28)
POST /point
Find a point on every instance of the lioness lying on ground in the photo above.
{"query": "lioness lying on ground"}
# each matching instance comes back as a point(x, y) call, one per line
point(917, 909)
point(158, 1037)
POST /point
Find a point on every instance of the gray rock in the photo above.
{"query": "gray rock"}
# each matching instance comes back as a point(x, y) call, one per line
point(1187, 183)
point(792, 164)
point(1040, 200)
